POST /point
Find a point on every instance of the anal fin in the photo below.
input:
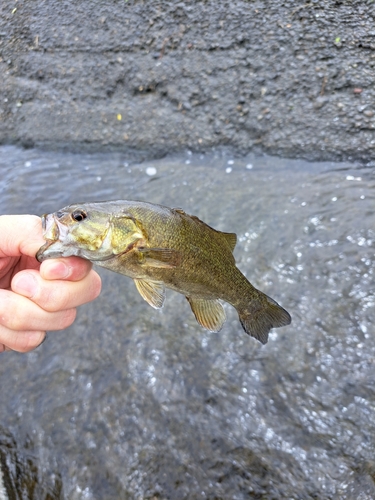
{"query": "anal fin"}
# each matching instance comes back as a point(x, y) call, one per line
point(209, 313)
point(152, 292)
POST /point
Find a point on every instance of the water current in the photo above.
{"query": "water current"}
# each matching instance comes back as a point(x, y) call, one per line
point(133, 403)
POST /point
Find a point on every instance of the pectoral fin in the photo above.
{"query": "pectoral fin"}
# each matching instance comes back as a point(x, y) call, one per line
point(153, 292)
point(159, 257)
point(209, 313)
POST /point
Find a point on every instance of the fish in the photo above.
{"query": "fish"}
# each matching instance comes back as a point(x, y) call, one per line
point(161, 247)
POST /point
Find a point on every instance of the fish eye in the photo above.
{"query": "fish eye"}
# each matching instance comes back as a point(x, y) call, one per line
point(79, 215)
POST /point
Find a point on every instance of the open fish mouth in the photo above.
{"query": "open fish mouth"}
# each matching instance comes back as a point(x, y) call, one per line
point(50, 228)
point(55, 234)
point(60, 243)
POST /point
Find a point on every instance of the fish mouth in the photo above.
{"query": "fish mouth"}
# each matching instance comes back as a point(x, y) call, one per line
point(54, 233)
point(60, 244)
point(42, 253)
point(53, 229)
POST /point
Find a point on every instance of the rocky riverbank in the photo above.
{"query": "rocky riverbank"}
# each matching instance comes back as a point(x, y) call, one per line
point(288, 78)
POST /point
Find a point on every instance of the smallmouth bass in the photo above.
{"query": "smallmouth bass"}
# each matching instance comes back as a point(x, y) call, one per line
point(160, 247)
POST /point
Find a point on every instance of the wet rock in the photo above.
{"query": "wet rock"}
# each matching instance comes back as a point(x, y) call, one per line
point(20, 477)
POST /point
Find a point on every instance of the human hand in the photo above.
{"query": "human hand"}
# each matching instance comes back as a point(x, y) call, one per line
point(37, 297)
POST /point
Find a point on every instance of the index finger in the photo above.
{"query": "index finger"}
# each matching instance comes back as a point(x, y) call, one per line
point(67, 268)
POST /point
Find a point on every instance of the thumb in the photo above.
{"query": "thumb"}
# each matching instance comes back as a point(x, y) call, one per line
point(20, 235)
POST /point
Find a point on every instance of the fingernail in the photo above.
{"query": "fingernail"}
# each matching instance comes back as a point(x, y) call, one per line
point(55, 269)
point(25, 284)
point(44, 339)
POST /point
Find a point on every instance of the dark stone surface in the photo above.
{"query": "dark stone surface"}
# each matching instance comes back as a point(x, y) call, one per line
point(20, 477)
point(290, 78)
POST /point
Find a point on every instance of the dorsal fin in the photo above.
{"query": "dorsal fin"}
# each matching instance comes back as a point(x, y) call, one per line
point(230, 238)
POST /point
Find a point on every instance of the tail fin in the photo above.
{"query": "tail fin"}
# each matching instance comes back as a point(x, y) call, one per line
point(259, 321)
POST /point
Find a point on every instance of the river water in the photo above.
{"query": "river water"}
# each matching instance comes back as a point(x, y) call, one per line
point(133, 403)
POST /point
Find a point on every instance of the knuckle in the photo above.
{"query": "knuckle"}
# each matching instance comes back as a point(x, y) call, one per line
point(12, 320)
point(53, 298)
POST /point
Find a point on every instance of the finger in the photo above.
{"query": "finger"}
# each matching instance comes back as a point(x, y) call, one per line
point(56, 295)
point(68, 268)
point(20, 235)
point(19, 314)
point(23, 341)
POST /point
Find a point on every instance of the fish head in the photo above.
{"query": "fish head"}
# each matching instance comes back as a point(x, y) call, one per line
point(89, 231)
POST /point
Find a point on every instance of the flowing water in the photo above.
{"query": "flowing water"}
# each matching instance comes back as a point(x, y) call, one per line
point(133, 403)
